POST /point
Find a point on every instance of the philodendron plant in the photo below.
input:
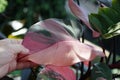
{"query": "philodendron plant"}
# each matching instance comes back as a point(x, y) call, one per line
point(54, 45)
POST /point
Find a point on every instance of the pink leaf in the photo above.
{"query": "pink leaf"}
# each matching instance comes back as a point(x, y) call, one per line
point(64, 53)
point(61, 73)
point(35, 35)
point(80, 13)
point(59, 48)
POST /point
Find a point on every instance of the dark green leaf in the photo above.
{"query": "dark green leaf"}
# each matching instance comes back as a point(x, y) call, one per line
point(96, 24)
point(116, 5)
point(101, 70)
point(106, 20)
point(111, 14)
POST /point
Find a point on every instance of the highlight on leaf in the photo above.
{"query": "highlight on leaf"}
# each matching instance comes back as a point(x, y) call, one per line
point(60, 49)
point(106, 21)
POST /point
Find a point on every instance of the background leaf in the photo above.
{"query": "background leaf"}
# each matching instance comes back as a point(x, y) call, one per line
point(3, 5)
point(101, 70)
point(106, 19)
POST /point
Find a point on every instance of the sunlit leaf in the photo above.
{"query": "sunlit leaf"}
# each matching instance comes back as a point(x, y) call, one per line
point(56, 47)
point(114, 30)
point(106, 21)
point(3, 5)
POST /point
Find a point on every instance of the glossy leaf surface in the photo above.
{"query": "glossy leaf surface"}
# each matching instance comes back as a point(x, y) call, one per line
point(50, 43)
point(106, 21)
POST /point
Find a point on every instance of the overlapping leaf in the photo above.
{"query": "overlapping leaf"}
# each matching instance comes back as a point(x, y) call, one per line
point(82, 14)
point(51, 44)
point(107, 20)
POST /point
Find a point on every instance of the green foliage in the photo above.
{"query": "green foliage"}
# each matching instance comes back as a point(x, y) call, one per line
point(106, 21)
point(101, 70)
point(3, 4)
point(15, 73)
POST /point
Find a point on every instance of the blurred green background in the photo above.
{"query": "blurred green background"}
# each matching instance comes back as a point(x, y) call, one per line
point(18, 14)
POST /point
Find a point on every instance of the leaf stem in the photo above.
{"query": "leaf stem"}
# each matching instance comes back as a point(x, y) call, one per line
point(82, 70)
point(102, 46)
point(78, 2)
point(87, 74)
point(108, 59)
point(114, 50)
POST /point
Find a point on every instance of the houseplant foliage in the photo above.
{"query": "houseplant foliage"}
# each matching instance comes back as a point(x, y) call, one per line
point(29, 12)
point(57, 49)
point(106, 21)
point(100, 67)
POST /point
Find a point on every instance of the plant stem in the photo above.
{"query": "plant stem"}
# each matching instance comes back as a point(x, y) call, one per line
point(82, 64)
point(108, 59)
point(83, 38)
point(33, 74)
point(77, 73)
point(114, 50)
point(102, 46)
point(87, 74)
point(89, 67)
point(78, 2)
point(82, 70)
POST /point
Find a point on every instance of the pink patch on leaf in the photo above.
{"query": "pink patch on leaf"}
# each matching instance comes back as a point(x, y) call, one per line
point(80, 13)
point(59, 73)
